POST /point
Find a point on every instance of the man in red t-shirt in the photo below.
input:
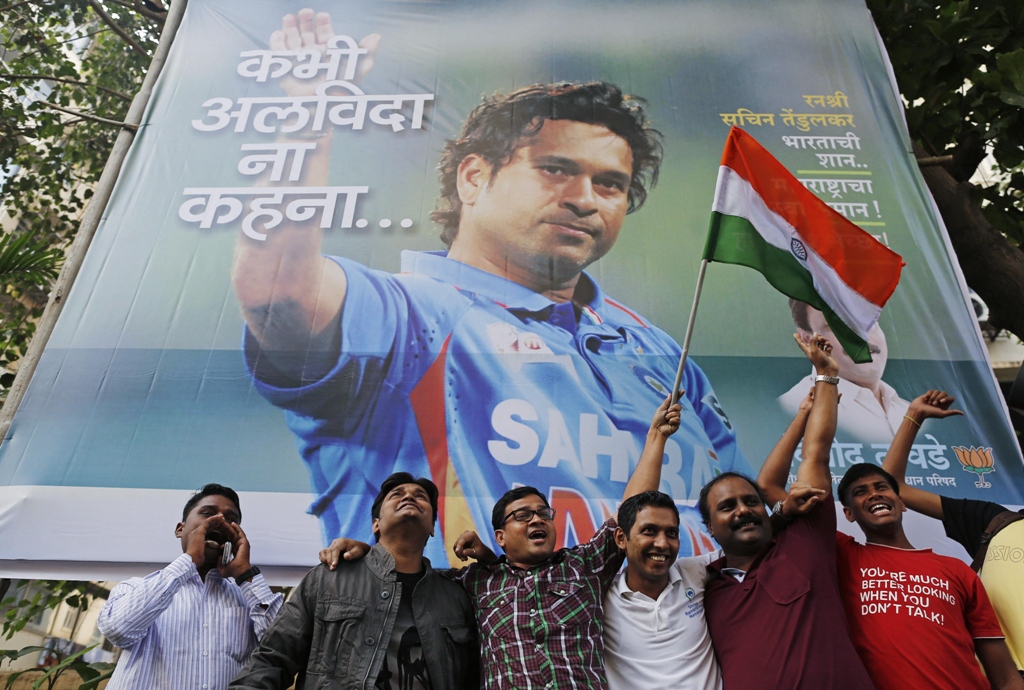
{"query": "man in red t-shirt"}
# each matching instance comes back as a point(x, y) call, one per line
point(931, 608)
point(916, 618)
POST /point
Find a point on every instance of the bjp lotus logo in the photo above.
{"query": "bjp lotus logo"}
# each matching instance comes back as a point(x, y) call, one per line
point(976, 460)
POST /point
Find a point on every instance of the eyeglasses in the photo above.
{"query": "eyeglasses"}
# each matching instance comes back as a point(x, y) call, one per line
point(525, 514)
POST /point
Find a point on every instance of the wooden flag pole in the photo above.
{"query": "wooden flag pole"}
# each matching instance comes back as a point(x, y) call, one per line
point(689, 331)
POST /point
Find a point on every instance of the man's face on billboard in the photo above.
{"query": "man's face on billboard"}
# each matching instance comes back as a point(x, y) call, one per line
point(867, 374)
point(555, 208)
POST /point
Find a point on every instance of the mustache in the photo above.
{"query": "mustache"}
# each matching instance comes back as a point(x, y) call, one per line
point(739, 523)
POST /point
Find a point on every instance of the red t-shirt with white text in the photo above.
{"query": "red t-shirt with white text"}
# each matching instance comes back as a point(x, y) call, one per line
point(914, 615)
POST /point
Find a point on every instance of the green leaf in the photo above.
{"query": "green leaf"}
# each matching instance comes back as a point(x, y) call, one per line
point(23, 260)
point(85, 671)
point(1014, 99)
point(66, 664)
point(13, 654)
point(1011, 66)
point(17, 674)
point(94, 683)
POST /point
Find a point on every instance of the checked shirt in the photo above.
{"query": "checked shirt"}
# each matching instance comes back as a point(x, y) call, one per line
point(542, 628)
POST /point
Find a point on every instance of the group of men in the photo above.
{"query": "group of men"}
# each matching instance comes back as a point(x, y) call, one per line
point(382, 373)
point(786, 603)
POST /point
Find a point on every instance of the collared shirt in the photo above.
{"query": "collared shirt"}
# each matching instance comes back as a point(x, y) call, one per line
point(542, 628)
point(664, 642)
point(861, 416)
point(783, 626)
point(454, 373)
point(735, 572)
point(179, 631)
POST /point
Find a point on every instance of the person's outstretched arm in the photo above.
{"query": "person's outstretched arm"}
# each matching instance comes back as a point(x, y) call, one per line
point(933, 404)
point(821, 423)
point(290, 295)
point(343, 548)
point(647, 475)
point(774, 474)
point(815, 421)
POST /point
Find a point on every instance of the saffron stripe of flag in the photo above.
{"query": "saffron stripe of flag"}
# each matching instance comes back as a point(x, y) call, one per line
point(764, 218)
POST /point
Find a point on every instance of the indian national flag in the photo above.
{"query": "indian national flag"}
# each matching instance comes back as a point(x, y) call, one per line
point(765, 219)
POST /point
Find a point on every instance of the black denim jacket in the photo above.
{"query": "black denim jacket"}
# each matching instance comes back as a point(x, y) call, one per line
point(333, 632)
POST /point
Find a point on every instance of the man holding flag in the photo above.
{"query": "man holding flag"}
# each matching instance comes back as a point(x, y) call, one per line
point(774, 609)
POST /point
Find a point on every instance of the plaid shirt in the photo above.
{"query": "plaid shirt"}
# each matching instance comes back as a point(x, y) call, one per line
point(542, 628)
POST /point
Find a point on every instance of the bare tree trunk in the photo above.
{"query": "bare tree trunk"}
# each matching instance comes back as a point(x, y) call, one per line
point(992, 266)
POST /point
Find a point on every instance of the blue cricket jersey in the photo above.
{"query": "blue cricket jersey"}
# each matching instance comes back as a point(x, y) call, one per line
point(454, 373)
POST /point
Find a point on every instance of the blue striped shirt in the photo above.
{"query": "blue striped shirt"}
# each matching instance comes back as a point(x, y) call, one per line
point(181, 633)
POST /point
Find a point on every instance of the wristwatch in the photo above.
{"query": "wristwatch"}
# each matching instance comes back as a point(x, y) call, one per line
point(834, 380)
point(247, 575)
point(777, 512)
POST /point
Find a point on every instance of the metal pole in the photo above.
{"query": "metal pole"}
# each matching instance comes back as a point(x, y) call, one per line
point(689, 331)
point(90, 220)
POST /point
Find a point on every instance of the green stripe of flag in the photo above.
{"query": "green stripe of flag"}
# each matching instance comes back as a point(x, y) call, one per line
point(733, 240)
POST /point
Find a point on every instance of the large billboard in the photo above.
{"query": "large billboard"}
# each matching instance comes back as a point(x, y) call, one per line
point(268, 303)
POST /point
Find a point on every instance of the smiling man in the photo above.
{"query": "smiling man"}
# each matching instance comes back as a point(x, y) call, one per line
point(655, 634)
point(498, 362)
point(386, 621)
point(916, 619)
point(992, 535)
point(194, 623)
point(932, 608)
point(773, 604)
point(540, 610)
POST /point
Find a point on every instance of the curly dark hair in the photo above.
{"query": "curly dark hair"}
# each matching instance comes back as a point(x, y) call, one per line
point(496, 129)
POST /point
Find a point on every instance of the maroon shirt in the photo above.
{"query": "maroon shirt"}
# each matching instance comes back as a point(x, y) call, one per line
point(784, 626)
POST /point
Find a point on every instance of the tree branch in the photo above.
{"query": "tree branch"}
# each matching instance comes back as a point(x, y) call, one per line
point(47, 77)
point(157, 17)
point(109, 21)
point(991, 265)
point(14, 4)
point(934, 160)
point(94, 118)
point(28, 53)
